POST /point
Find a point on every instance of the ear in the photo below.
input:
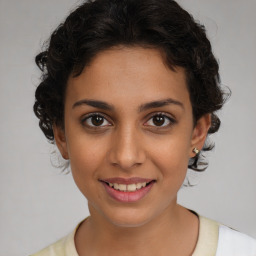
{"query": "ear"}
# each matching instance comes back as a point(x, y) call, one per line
point(60, 140)
point(200, 132)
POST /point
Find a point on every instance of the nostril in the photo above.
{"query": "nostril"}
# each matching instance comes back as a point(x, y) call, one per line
point(126, 152)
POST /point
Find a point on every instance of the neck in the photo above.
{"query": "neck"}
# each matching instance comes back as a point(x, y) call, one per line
point(166, 234)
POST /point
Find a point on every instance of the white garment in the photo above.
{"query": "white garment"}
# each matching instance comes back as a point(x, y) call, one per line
point(214, 240)
point(234, 243)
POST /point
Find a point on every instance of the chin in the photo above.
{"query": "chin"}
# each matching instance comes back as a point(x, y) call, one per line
point(128, 222)
point(129, 218)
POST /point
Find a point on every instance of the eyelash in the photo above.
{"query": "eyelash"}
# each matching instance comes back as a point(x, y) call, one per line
point(171, 120)
point(89, 116)
point(168, 118)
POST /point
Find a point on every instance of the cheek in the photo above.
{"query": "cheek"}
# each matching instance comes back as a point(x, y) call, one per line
point(171, 157)
point(86, 157)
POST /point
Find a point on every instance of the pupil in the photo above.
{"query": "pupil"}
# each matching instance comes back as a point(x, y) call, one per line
point(97, 120)
point(158, 120)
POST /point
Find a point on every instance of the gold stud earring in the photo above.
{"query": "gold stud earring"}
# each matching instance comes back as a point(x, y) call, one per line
point(196, 151)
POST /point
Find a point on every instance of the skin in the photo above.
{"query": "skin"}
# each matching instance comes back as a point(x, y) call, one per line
point(130, 144)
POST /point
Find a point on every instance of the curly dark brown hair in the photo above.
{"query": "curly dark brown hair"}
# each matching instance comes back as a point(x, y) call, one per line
point(101, 24)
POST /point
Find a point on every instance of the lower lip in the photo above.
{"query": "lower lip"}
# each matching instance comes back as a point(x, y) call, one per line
point(128, 197)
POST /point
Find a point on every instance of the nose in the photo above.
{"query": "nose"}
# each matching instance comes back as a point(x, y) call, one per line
point(127, 149)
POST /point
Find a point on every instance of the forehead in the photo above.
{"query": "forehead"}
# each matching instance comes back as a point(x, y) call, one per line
point(129, 76)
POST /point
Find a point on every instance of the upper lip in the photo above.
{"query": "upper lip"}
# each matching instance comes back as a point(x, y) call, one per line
point(126, 181)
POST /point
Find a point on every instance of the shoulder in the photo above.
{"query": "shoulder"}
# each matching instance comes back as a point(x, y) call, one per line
point(55, 249)
point(63, 247)
point(234, 243)
point(216, 239)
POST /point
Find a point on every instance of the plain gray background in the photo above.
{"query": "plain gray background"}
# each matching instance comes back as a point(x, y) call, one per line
point(39, 204)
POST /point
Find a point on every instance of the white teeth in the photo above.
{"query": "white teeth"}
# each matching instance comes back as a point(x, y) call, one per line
point(140, 185)
point(122, 187)
point(130, 187)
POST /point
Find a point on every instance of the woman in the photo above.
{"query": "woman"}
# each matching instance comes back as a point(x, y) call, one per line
point(129, 93)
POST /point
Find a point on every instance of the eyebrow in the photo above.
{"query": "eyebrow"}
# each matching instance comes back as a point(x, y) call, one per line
point(94, 103)
point(105, 106)
point(160, 103)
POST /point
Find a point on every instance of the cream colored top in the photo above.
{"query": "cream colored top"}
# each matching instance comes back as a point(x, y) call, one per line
point(214, 240)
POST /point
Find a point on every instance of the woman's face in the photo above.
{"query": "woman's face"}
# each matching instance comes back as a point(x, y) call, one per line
point(129, 123)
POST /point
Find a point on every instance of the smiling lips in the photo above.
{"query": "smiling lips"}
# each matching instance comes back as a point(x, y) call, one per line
point(127, 190)
point(130, 187)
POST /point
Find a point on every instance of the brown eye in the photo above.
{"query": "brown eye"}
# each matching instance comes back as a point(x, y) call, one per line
point(160, 120)
point(95, 120)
